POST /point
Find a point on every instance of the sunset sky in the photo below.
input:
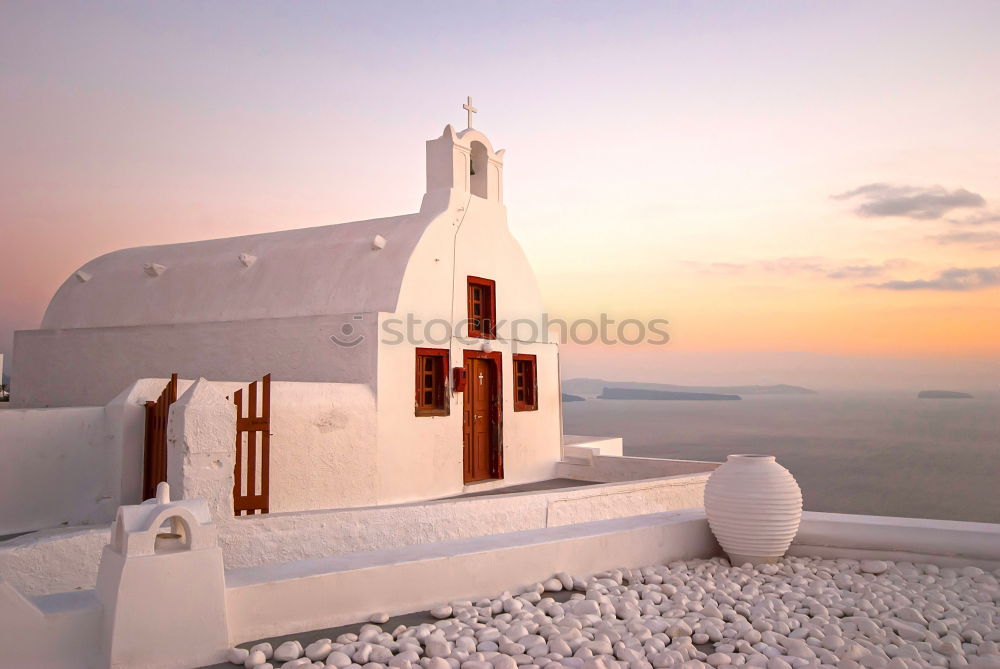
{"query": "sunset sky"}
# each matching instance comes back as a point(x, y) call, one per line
point(807, 191)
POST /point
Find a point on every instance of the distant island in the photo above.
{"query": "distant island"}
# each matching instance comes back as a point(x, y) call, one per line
point(943, 395)
point(593, 387)
point(645, 394)
point(566, 397)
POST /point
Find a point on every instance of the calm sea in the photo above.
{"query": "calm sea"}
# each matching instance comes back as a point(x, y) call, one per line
point(868, 453)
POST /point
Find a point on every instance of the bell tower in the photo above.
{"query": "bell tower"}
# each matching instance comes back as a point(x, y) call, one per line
point(465, 162)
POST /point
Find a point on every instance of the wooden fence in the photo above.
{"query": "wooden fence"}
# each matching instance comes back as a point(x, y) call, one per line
point(251, 480)
point(154, 454)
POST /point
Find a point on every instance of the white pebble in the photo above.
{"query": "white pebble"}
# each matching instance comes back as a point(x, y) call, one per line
point(288, 651)
point(255, 658)
point(297, 663)
point(338, 659)
point(553, 585)
point(441, 612)
point(874, 566)
point(237, 655)
point(799, 613)
point(265, 648)
point(318, 650)
point(437, 648)
point(503, 662)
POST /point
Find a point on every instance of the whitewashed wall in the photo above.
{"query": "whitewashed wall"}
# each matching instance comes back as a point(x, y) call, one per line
point(72, 465)
point(54, 468)
point(127, 419)
point(53, 561)
point(323, 450)
point(89, 366)
point(257, 540)
point(77, 464)
point(60, 562)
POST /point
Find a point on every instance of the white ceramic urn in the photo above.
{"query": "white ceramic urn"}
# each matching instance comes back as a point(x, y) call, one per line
point(754, 507)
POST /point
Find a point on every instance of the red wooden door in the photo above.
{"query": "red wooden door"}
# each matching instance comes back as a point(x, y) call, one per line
point(479, 420)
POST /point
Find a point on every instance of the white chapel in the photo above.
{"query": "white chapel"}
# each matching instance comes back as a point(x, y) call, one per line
point(404, 413)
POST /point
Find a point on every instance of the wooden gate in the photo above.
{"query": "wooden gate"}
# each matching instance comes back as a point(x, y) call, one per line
point(250, 488)
point(154, 453)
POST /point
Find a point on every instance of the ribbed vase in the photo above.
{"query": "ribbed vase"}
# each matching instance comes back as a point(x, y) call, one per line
point(754, 507)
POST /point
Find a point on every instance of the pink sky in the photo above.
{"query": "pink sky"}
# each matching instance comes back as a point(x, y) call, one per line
point(777, 181)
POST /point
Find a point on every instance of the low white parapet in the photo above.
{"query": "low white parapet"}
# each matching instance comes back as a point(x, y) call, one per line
point(58, 468)
point(942, 542)
point(65, 560)
point(60, 630)
point(579, 446)
point(309, 594)
point(600, 459)
point(585, 464)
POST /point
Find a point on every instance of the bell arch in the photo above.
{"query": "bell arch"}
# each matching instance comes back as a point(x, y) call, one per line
point(479, 169)
point(465, 161)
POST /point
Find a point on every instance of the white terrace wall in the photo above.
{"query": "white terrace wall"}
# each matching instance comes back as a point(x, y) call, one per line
point(50, 632)
point(615, 468)
point(72, 465)
point(250, 541)
point(284, 599)
point(68, 630)
point(54, 468)
point(258, 540)
point(53, 561)
point(943, 542)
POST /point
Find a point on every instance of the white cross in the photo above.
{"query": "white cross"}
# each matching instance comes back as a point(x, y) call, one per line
point(481, 377)
point(469, 108)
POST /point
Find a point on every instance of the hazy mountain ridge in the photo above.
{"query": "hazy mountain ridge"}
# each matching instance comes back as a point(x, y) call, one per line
point(647, 394)
point(943, 395)
point(594, 387)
